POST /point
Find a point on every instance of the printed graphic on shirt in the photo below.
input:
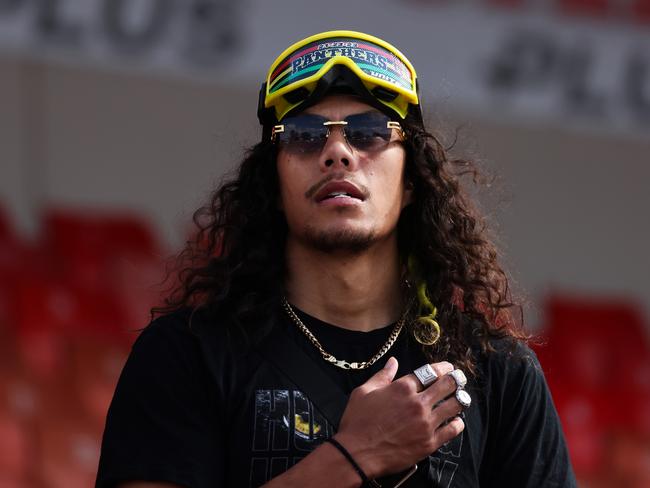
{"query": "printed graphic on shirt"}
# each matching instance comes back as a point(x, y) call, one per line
point(286, 427)
point(443, 464)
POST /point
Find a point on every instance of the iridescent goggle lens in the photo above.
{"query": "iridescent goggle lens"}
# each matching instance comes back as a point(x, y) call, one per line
point(308, 133)
point(383, 70)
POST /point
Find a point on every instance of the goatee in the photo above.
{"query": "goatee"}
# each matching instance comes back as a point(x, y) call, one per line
point(346, 240)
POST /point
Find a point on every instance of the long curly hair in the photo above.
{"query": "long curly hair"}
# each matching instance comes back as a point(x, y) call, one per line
point(234, 267)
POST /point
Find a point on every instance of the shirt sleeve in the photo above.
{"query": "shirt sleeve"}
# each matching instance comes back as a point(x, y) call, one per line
point(163, 423)
point(526, 444)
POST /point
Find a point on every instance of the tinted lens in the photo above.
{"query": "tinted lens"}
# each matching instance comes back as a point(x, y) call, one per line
point(303, 134)
point(368, 131)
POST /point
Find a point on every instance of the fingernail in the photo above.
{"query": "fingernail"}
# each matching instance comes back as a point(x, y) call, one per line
point(389, 363)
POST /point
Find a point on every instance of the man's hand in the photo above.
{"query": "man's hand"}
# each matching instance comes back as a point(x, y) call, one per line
point(390, 425)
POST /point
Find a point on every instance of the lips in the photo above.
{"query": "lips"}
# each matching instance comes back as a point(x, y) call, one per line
point(339, 189)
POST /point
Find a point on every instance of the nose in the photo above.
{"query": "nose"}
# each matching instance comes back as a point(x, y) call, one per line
point(337, 151)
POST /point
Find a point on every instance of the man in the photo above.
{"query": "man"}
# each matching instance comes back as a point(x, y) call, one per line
point(337, 290)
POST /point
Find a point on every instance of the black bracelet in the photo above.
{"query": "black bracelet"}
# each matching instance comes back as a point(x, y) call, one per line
point(365, 480)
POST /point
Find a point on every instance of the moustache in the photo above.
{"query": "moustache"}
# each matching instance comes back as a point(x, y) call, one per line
point(340, 176)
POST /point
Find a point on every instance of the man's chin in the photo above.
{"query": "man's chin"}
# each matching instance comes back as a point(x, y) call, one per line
point(346, 240)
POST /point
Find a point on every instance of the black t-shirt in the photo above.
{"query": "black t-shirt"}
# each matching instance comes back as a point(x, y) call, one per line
point(197, 407)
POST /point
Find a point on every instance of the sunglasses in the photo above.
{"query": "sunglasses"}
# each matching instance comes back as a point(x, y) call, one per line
point(308, 133)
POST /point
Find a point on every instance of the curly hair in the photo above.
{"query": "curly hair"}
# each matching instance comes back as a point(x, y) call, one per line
point(235, 264)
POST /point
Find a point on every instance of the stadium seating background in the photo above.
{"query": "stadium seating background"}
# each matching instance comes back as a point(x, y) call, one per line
point(72, 301)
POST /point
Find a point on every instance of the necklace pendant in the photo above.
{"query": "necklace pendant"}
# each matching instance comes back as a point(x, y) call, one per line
point(340, 363)
point(330, 359)
point(343, 364)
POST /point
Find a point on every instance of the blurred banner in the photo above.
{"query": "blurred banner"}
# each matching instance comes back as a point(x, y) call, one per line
point(584, 62)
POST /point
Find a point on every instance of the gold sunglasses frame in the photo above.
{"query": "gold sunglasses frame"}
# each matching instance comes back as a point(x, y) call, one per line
point(391, 124)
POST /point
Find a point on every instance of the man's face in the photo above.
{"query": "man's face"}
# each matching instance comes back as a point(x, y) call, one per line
point(342, 198)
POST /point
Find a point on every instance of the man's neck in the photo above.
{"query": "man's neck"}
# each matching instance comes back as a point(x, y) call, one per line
point(359, 291)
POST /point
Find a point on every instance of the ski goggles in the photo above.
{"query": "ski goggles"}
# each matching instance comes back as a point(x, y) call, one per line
point(385, 74)
point(307, 133)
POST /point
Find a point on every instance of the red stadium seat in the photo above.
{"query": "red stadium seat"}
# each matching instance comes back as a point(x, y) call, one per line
point(641, 11)
point(74, 303)
point(69, 450)
point(10, 261)
point(597, 362)
point(88, 243)
point(628, 455)
point(582, 416)
point(48, 312)
point(15, 451)
point(589, 7)
point(586, 338)
point(109, 261)
point(18, 407)
point(73, 231)
point(96, 366)
point(5, 227)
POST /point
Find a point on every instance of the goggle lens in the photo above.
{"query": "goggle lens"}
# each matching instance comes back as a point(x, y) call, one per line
point(308, 133)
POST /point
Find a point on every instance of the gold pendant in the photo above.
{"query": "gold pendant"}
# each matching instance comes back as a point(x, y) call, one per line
point(427, 331)
point(342, 363)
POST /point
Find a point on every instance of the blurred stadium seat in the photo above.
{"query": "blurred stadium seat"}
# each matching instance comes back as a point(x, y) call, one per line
point(10, 260)
point(597, 363)
point(96, 366)
point(86, 244)
point(71, 231)
point(69, 450)
point(111, 260)
point(70, 304)
point(15, 452)
point(585, 338)
point(642, 11)
point(594, 7)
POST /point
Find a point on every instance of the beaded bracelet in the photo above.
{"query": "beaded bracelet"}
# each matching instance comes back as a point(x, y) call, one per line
point(364, 478)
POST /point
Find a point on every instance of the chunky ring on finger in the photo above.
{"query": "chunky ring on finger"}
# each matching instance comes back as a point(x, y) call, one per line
point(426, 375)
point(459, 377)
point(463, 398)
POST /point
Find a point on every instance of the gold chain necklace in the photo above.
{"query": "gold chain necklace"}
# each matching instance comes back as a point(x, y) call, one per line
point(341, 363)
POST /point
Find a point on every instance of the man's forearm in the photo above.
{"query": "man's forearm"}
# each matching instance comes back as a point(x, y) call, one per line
point(324, 467)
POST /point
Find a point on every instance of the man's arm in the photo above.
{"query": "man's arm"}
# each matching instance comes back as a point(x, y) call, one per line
point(163, 423)
point(387, 427)
point(320, 468)
point(324, 465)
point(528, 447)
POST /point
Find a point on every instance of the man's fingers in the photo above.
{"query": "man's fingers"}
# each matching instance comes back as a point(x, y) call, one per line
point(447, 409)
point(382, 377)
point(444, 386)
point(450, 430)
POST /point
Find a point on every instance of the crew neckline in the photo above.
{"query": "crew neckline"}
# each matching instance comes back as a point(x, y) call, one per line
point(326, 332)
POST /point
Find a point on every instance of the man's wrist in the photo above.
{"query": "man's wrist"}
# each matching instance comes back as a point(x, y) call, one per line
point(366, 482)
point(362, 456)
